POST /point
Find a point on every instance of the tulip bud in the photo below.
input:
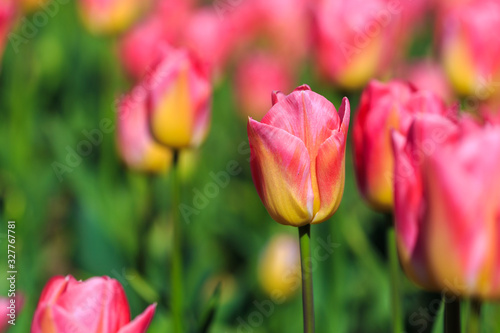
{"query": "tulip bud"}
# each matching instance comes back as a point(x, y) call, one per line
point(447, 204)
point(384, 107)
point(256, 76)
point(297, 156)
point(470, 49)
point(110, 16)
point(279, 267)
point(179, 101)
point(353, 45)
point(96, 305)
point(135, 143)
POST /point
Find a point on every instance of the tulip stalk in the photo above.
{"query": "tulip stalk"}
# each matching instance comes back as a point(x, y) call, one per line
point(397, 324)
point(474, 320)
point(176, 277)
point(307, 281)
point(452, 316)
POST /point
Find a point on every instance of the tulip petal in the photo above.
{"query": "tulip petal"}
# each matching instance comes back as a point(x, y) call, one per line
point(277, 96)
point(141, 323)
point(281, 173)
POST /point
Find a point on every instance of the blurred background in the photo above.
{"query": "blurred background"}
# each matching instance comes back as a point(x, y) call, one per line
point(80, 210)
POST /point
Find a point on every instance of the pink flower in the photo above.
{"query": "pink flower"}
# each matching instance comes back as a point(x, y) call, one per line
point(256, 76)
point(96, 305)
point(447, 204)
point(135, 143)
point(297, 156)
point(179, 98)
point(8, 11)
point(429, 76)
point(384, 107)
point(9, 310)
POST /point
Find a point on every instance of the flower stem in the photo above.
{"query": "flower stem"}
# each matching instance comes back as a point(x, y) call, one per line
point(307, 281)
point(452, 316)
point(397, 324)
point(474, 321)
point(176, 277)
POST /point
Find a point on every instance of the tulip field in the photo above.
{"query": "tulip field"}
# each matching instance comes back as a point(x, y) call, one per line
point(249, 166)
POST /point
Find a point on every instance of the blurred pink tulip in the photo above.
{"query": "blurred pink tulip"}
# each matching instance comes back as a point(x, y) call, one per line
point(179, 98)
point(470, 46)
point(430, 76)
point(110, 16)
point(256, 77)
point(384, 107)
point(98, 305)
point(9, 310)
point(8, 13)
point(447, 204)
point(354, 39)
point(298, 156)
point(135, 143)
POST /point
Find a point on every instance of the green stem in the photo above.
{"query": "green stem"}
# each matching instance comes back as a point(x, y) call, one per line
point(307, 281)
point(452, 316)
point(397, 324)
point(176, 277)
point(474, 322)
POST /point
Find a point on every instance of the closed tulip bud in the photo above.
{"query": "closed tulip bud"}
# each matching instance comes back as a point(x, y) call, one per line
point(352, 44)
point(384, 107)
point(270, 73)
point(96, 305)
point(298, 156)
point(135, 143)
point(470, 48)
point(447, 205)
point(110, 16)
point(179, 101)
point(279, 267)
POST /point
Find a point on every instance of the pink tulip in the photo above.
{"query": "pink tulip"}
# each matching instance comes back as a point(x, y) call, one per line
point(470, 47)
point(135, 143)
point(429, 76)
point(270, 73)
point(447, 204)
point(384, 107)
point(179, 98)
point(354, 39)
point(96, 305)
point(297, 156)
point(8, 307)
point(8, 13)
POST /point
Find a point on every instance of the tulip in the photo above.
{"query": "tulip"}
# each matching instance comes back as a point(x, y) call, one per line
point(384, 107)
point(298, 156)
point(352, 44)
point(135, 143)
point(470, 49)
point(96, 305)
point(9, 306)
point(110, 16)
point(279, 267)
point(430, 76)
point(179, 101)
point(270, 73)
point(447, 204)
point(7, 17)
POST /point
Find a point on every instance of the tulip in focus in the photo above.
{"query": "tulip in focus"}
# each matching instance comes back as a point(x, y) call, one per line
point(470, 47)
point(256, 76)
point(384, 107)
point(298, 156)
point(135, 143)
point(110, 16)
point(279, 267)
point(447, 205)
point(97, 305)
point(179, 101)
